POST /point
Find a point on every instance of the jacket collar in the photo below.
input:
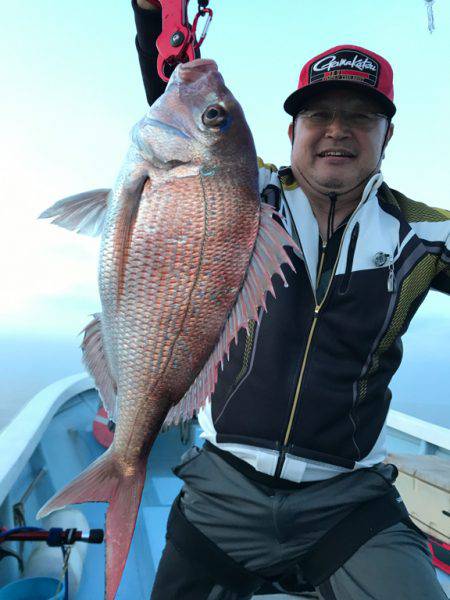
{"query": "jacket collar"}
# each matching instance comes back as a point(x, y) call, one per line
point(385, 195)
point(306, 223)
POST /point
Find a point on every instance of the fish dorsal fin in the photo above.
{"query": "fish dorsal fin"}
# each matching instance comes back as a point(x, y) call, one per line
point(96, 363)
point(83, 213)
point(268, 256)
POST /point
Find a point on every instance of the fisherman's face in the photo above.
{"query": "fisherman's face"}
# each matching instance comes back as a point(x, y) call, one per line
point(359, 145)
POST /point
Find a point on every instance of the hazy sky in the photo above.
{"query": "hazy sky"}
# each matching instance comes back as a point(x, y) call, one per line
point(71, 91)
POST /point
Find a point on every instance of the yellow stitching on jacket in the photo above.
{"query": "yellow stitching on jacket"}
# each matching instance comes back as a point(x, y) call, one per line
point(247, 351)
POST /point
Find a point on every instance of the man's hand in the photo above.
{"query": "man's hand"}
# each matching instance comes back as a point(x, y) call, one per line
point(149, 4)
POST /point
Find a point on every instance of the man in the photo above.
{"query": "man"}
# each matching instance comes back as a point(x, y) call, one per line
point(290, 485)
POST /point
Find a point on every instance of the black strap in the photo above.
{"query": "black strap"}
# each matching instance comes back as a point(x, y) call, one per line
point(330, 226)
point(342, 541)
point(208, 557)
point(271, 195)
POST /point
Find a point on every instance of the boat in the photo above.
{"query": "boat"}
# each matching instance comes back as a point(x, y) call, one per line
point(51, 440)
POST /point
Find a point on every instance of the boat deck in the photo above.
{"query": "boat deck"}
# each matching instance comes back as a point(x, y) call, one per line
point(64, 444)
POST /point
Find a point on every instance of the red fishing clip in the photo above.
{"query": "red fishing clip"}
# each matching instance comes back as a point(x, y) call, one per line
point(177, 42)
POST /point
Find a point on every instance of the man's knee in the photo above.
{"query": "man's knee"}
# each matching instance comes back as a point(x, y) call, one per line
point(393, 564)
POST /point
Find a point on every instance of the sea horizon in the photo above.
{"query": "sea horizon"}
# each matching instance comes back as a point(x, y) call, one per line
point(32, 360)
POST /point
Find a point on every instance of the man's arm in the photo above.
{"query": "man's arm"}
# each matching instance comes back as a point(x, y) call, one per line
point(148, 25)
point(441, 282)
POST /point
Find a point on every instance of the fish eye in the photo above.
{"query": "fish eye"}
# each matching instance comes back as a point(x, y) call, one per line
point(214, 116)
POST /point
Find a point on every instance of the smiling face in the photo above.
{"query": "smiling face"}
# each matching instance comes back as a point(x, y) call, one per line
point(336, 156)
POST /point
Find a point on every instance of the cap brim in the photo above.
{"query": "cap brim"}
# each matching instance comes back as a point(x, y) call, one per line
point(297, 99)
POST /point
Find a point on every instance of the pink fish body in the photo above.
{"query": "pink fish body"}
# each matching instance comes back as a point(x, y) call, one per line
point(187, 256)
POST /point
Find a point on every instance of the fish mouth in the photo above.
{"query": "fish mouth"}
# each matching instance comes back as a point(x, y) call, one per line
point(166, 127)
point(191, 71)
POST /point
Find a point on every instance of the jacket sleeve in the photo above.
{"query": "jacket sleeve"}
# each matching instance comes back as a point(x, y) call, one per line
point(267, 174)
point(148, 26)
point(441, 282)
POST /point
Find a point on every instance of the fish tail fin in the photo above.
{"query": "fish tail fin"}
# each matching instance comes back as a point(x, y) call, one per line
point(120, 523)
point(97, 483)
point(104, 481)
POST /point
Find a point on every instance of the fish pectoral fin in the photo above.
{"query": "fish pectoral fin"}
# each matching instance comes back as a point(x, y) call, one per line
point(268, 255)
point(94, 358)
point(83, 213)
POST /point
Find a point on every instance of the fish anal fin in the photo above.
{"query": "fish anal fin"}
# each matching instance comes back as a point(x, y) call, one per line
point(83, 213)
point(267, 257)
point(97, 365)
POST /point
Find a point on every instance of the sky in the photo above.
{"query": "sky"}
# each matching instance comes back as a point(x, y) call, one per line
point(72, 91)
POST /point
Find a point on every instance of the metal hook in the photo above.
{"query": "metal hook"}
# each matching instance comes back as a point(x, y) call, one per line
point(201, 13)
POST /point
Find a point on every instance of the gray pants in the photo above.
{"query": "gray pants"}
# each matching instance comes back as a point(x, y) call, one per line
point(262, 528)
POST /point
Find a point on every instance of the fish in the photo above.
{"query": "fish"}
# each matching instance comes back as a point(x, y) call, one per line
point(187, 256)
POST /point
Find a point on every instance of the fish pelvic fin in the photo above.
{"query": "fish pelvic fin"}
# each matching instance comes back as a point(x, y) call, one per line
point(268, 255)
point(105, 481)
point(83, 213)
point(96, 362)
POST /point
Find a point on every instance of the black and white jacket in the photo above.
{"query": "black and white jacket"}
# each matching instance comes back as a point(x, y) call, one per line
point(305, 394)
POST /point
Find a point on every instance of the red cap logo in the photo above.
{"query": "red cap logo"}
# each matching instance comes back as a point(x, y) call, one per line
point(345, 65)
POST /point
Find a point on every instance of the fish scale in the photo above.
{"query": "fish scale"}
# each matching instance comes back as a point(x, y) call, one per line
point(186, 259)
point(158, 319)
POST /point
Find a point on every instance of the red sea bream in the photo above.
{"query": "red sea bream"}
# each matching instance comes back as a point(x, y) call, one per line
point(187, 256)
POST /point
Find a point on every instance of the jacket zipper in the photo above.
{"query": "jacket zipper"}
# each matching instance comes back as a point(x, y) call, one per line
point(317, 310)
point(391, 282)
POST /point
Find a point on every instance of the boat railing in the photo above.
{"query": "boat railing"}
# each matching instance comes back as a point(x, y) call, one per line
point(432, 437)
point(20, 437)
